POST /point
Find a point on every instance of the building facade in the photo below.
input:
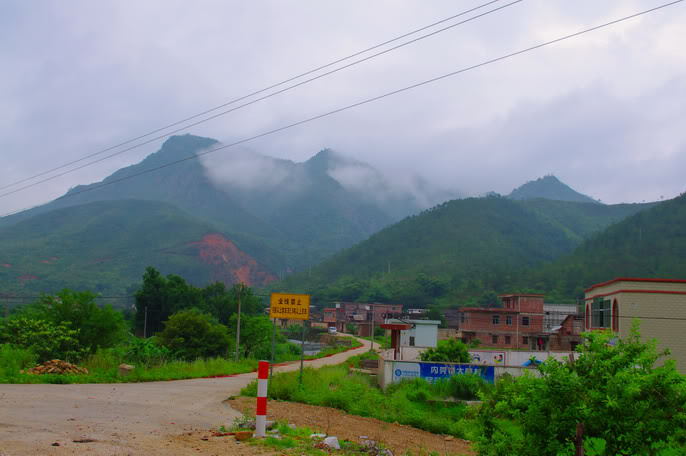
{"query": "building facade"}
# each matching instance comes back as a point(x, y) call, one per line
point(524, 322)
point(363, 315)
point(659, 304)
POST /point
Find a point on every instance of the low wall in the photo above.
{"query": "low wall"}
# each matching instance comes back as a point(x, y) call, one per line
point(512, 357)
point(396, 371)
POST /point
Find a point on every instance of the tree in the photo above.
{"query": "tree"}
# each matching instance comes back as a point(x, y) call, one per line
point(447, 351)
point(164, 296)
point(256, 335)
point(613, 393)
point(192, 334)
point(43, 338)
point(97, 327)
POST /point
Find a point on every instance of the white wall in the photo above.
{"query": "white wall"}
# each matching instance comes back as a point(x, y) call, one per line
point(425, 334)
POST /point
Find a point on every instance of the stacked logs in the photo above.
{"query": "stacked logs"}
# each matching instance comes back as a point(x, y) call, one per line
point(56, 366)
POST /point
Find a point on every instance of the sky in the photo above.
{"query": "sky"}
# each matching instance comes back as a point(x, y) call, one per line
point(603, 112)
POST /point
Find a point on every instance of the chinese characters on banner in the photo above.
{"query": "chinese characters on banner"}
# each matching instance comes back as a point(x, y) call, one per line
point(290, 306)
point(432, 372)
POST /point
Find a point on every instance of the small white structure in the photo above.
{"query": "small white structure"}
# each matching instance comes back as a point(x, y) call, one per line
point(424, 333)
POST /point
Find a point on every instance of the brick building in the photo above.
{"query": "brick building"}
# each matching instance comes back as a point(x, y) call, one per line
point(360, 314)
point(524, 322)
point(660, 305)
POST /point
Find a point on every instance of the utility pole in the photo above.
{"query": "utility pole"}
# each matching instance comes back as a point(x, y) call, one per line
point(145, 324)
point(373, 321)
point(238, 323)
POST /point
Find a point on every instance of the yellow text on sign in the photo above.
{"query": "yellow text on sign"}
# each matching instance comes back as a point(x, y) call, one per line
point(290, 306)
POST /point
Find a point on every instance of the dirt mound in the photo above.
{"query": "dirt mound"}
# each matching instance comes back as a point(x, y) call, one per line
point(56, 366)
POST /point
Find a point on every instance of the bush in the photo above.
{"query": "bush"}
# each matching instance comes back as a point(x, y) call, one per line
point(44, 338)
point(191, 334)
point(447, 351)
point(466, 386)
point(13, 359)
point(97, 327)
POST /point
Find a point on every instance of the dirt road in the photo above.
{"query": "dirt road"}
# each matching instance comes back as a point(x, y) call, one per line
point(129, 418)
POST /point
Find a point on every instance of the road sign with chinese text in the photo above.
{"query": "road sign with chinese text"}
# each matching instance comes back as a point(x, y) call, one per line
point(290, 306)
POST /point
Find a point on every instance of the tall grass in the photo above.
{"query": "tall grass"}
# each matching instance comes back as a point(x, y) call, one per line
point(415, 403)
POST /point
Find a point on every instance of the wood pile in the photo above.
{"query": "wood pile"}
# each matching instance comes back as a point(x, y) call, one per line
point(56, 366)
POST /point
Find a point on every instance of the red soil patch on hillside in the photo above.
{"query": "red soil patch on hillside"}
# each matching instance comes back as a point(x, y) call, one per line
point(230, 264)
point(6, 265)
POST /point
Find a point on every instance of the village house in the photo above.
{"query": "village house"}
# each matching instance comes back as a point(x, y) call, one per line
point(523, 322)
point(363, 315)
point(659, 304)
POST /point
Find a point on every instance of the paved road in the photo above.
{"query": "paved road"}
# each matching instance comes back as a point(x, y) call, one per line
point(129, 418)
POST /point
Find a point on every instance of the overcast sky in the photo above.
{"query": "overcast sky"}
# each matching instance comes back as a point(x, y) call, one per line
point(604, 112)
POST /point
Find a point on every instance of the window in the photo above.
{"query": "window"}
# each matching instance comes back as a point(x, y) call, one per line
point(494, 339)
point(615, 316)
point(525, 340)
point(508, 320)
point(462, 317)
point(496, 319)
point(588, 318)
point(508, 340)
point(525, 321)
point(411, 341)
point(600, 313)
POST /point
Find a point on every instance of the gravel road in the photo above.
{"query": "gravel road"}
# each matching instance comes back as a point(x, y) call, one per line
point(128, 418)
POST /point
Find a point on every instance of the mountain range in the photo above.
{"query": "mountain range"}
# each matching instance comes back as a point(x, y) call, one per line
point(331, 226)
point(285, 216)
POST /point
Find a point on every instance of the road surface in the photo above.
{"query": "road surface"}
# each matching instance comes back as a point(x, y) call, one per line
point(122, 418)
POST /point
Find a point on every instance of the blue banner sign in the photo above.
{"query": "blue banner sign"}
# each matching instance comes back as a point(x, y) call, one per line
point(432, 372)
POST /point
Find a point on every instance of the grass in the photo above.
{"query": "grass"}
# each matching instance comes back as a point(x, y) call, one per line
point(415, 403)
point(103, 367)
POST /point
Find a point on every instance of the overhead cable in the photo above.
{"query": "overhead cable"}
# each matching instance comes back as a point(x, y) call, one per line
point(363, 102)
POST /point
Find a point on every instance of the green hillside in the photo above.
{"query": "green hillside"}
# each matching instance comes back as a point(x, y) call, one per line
point(287, 227)
point(462, 251)
point(651, 243)
point(549, 187)
point(579, 219)
point(104, 246)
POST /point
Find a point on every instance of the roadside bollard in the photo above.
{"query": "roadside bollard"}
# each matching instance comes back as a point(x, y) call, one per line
point(261, 415)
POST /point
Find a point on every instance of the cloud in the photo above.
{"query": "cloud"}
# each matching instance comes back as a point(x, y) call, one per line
point(598, 111)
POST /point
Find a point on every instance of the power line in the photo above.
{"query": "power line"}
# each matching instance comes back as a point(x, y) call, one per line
point(258, 92)
point(363, 102)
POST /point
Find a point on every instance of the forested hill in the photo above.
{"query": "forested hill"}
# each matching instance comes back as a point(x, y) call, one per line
point(549, 187)
point(105, 247)
point(462, 251)
point(651, 243)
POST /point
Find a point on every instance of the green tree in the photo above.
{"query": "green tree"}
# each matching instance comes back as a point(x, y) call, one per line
point(44, 338)
point(447, 351)
point(97, 327)
point(162, 296)
point(256, 336)
point(614, 392)
point(192, 334)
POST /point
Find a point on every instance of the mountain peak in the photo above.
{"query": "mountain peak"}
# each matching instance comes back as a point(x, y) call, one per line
point(549, 187)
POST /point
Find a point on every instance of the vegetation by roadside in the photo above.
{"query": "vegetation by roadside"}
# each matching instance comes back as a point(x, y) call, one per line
point(416, 403)
point(400, 439)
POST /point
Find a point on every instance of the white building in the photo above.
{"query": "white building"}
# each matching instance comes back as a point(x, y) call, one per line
point(424, 333)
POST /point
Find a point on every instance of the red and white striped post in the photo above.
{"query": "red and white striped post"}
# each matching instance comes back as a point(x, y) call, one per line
point(261, 415)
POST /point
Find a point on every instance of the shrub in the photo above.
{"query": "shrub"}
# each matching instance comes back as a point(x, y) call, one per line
point(98, 327)
point(191, 334)
point(466, 386)
point(13, 359)
point(45, 339)
point(447, 351)
point(145, 352)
